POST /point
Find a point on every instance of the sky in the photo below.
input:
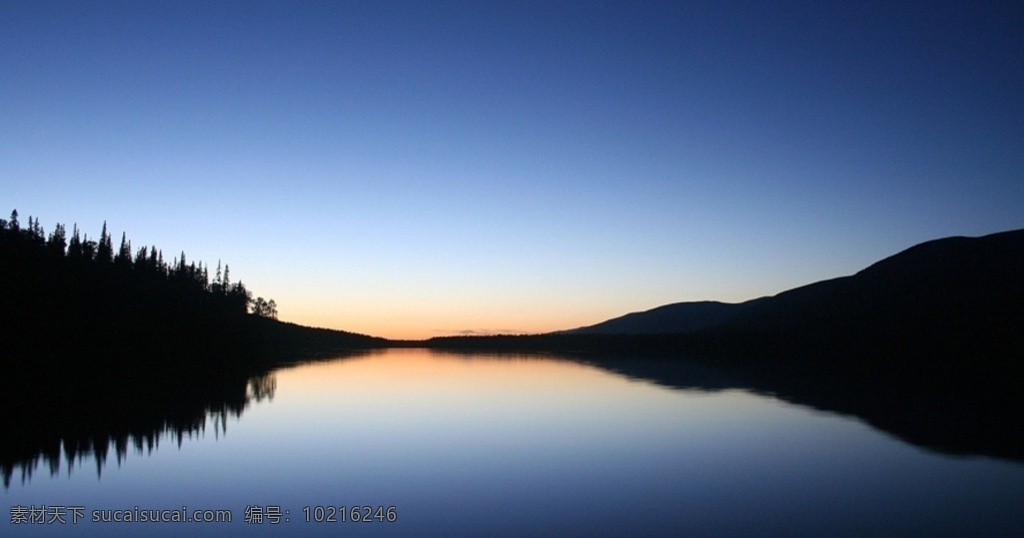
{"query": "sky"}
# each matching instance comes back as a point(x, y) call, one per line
point(427, 168)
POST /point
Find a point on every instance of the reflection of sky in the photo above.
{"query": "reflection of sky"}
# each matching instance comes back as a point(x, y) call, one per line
point(418, 168)
point(520, 447)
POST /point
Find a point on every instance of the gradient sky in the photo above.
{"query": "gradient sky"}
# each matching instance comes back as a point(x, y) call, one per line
point(422, 168)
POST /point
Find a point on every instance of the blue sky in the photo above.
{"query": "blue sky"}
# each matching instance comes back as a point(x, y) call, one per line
point(413, 169)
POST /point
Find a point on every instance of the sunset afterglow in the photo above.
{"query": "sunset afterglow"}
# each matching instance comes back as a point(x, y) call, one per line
point(417, 169)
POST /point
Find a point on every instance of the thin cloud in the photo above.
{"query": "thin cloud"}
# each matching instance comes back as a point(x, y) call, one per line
point(475, 332)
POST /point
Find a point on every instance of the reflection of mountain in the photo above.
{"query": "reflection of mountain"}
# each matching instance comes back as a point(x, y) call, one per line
point(685, 375)
point(927, 344)
point(954, 418)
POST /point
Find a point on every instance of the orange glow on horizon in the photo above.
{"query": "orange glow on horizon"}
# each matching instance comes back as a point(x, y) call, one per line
point(405, 328)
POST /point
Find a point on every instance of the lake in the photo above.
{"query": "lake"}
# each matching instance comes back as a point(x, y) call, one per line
point(424, 443)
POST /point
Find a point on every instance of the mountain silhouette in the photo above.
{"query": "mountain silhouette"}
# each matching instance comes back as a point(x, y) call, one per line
point(927, 344)
point(953, 281)
point(965, 285)
point(668, 319)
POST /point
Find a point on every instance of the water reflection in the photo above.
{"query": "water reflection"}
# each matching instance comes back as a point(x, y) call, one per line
point(65, 421)
point(546, 445)
point(80, 430)
point(55, 424)
point(964, 416)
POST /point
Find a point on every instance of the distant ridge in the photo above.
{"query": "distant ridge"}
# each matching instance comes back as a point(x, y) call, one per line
point(927, 344)
point(960, 283)
point(956, 282)
point(669, 319)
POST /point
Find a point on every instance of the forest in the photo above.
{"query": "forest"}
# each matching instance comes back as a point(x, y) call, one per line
point(66, 292)
point(100, 344)
point(72, 305)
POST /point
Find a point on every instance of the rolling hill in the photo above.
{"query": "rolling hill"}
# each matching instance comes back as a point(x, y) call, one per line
point(669, 319)
point(957, 283)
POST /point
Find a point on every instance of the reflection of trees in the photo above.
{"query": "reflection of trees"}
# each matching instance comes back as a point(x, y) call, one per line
point(262, 387)
point(82, 422)
point(101, 348)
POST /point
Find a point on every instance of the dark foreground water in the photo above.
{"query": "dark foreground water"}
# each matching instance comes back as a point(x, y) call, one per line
point(415, 442)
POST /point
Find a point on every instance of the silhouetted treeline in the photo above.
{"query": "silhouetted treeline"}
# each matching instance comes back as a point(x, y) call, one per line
point(72, 306)
point(69, 293)
point(106, 347)
point(288, 342)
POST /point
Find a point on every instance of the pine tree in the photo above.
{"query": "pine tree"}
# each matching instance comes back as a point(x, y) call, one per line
point(124, 253)
point(75, 245)
point(57, 242)
point(35, 230)
point(142, 257)
point(88, 249)
point(218, 284)
point(31, 230)
point(105, 248)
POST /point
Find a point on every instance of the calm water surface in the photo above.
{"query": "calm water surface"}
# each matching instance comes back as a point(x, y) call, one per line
point(466, 445)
